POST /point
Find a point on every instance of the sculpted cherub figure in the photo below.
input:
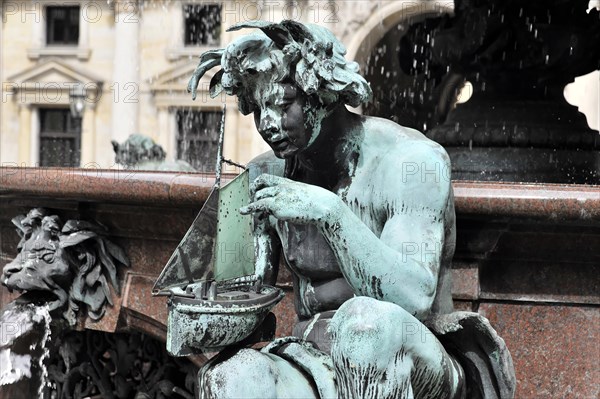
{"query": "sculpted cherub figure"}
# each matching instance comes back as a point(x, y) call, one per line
point(369, 246)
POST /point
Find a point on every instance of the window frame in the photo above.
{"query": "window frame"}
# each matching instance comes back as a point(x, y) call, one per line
point(208, 163)
point(40, 47)
point(72, 130)
point(187, 34)
point(51, 23)
point(178, 49)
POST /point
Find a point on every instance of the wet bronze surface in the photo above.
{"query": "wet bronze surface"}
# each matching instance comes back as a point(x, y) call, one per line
point(526, 258)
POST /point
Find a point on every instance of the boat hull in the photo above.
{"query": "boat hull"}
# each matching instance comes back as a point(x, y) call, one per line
point(196, 326)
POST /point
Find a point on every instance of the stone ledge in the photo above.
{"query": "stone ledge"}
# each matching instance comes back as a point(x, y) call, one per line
point(113, 186)
point(177, 53)
point(82, 53)
point(537, 201)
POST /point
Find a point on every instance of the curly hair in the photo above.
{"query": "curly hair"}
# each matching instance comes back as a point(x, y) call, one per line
point(308, 55)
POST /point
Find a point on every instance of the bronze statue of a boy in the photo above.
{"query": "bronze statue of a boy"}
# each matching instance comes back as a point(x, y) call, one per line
point(364, 214)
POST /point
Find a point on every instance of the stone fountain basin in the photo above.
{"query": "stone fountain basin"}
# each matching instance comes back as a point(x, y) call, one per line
point(196, 325)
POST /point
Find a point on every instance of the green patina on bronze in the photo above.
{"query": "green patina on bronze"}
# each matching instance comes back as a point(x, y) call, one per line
point(66, 265)
point(369, 241)
point(234, 251)
point(142, 153)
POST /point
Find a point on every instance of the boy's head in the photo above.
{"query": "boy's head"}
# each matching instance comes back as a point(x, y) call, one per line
point(290, 76)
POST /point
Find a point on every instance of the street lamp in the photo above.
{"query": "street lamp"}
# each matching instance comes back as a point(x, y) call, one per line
point(77, 101)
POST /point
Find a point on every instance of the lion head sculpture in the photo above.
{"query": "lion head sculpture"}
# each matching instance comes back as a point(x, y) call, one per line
point(64, 264)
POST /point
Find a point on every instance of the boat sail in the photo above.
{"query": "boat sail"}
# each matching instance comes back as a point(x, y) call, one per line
point(217, 247)
point(214, 298)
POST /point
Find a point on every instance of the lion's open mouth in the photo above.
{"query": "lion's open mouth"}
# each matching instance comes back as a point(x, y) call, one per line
point(38, 297)
point(28, 288)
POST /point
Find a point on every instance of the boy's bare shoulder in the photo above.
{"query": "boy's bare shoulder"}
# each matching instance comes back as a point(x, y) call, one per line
point(266, 162)
point(389, 141)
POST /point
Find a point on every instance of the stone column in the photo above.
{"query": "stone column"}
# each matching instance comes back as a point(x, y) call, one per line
point(234, 138)
point(88, 136)
point(25, 135)
point(126, 70)
point(164, 135)
point(38, 39)
point(34, 136)
point(172, 133)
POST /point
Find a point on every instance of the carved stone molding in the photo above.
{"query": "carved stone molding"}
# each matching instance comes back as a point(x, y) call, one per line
point(66, 265)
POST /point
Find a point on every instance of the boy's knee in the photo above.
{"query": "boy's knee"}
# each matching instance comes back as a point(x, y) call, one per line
point(247, 374)
point(373, 330)
point(363, 315)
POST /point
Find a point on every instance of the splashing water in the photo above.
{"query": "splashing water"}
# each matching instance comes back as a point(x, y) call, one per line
point(22, 323)
point(43, 312)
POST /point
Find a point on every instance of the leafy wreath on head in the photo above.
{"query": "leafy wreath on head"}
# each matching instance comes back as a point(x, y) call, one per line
point(310, 55)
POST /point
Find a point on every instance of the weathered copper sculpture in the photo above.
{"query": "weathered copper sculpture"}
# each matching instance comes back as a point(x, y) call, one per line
point(60, 267)
point(142, 153)
point(84, 364)
point(518, 57)
point(66, 265)
point(365, 219)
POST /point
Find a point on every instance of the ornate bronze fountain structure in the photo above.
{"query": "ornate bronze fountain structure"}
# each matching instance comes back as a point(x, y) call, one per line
point(518, 56)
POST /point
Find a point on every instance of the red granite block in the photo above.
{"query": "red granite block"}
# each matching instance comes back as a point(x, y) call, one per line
point(463, 306)
point(286, 315)
point(554, 348)
point(465, 280)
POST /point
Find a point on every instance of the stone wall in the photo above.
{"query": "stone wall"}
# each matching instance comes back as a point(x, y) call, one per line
point(526, 258)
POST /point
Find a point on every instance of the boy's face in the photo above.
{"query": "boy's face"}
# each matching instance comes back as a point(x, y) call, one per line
point(284, 118)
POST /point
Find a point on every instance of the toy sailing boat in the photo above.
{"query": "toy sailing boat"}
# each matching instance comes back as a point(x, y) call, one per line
point(215, 299)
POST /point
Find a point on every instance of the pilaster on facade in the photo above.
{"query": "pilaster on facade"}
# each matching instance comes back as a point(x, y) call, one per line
point(25, 134)
point(126, 70)
point(88, 137)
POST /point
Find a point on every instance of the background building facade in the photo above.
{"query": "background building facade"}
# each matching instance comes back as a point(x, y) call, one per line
point(129, 62)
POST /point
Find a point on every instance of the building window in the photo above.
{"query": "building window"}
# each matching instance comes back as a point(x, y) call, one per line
point(60, 138)
point(202, 24)
point(62, 25)
point(198, 137)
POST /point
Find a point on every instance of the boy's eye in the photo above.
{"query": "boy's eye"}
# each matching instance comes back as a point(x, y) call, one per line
point(48, 257)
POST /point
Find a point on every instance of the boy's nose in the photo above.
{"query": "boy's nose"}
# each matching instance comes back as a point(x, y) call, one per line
point(269, 129)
